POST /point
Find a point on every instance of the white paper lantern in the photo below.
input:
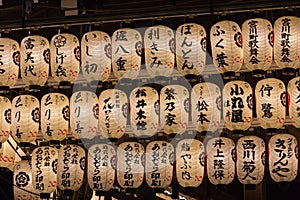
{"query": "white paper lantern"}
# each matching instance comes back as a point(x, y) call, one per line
point(294, 101)
point(5, 118)
point(96, 56)
point(220, 160)
point(250, 164)
point(190, 158)
point(270, 96)
point(283, 157)
point(8, 156)
point(159, 50)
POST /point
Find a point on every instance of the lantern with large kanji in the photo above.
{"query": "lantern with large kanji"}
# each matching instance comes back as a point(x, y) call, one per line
point(220, 160)
point(190, 49)
point(5, 118)
point(283, 157)
point(250, 164)
point(96, 56)
point(159, 50)
point(293, 90)
point(226, 46)
point(270, 96)
point(190, 161)
point(144, 113)
point(206, 107)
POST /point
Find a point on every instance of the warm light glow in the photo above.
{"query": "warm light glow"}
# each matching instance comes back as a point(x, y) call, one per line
point(5, 118)
point(294, 101)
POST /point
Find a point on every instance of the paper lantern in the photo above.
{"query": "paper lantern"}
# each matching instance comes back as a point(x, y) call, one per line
point(70, 167)
point(8, 156)
point(250, 164)
point(283, 157)
point(159, 50)
point(237, 105)
point(126, 53)
point(5, 118)
point(258, 42)
point(190, 158)
point(96, 56)
point(9, 62)
point(174, 109)
point(65, 57)
point(101, 167)
point(113, 111)
point(294, 101)
point(55, 116)
point(226, 46)
point(44, 169)
point(270, 96)
point(287, 42)
point(220, 160)
point(25, 118)
point(206, 107)
point(144, 113)
point(35, 59)
point(84, 114)
point(130, 164)
point(190, 48)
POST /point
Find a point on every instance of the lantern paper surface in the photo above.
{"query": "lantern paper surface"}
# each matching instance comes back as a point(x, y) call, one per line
point(220, 160)
point(226, 46)
point(294, 101)
point(144, 115)
point(25, 118)
point(84, 114)
point(113, 111)
point(190, 48)
point(250, 164)
point(190, 161)
point(70, 167)
point(35, 59)
point(270, 103)
point(54, 116)
point(159, 50)
point(287, 42)
point(283, 157)
point(44, 169)
point(65, 57)
point(9, 62)
point(130, 164)
point(96, 56)
point(7, 156)
point(101, 167)
point(206, 107)
point(237, 105)
point(126, 53)
point(258, 42)
point(5, 118)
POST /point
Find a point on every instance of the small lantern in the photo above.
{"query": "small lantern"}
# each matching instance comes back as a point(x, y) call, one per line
point(190, 158)
point(96, 56)
point(159, 50)
point(220, 160)
point(144, 111)
point(206, 107)
point(294, 101)
point(250, 164)
point(8, 156)
point(237, 105)
point(5, 118)
point(270, 96)
point(283, 157)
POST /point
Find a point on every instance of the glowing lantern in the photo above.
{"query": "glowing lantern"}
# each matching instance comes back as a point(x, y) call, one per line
point(190, 158)
point(283, 157)
point(84, 112)
point(126, 53)
point(159, 50)
point(190, 48)
point(144, 111)
point(25, 118)
point(270, 103)
point(54, 116)
point(258, 41)
point(130, 164)
point(206, 107)
point(113, 105)
point(250, 164)
point(220, 160)
point(96, 56)
point(5, 118)
point(237, 106)
point(7, 156)
point(226, 46)
point(293, 97)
